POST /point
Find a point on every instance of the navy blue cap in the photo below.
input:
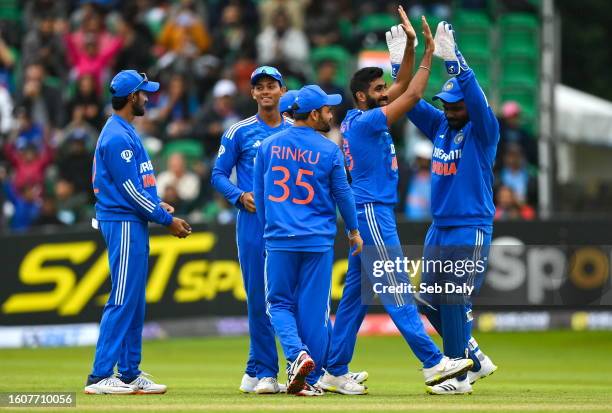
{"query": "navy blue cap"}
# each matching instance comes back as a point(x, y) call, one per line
point(451, 91)
point(266, 71)
point(130, 81)
point(286, 101)
point(312, 97)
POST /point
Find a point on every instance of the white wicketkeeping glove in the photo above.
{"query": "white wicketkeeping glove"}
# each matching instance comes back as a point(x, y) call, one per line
point(396, 43)
point(446, 49)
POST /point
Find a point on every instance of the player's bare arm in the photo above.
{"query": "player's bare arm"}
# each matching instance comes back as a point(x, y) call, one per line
point(407, 100)
point(404, 74)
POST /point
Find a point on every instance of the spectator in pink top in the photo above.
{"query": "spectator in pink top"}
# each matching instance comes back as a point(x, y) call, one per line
point(91, 50)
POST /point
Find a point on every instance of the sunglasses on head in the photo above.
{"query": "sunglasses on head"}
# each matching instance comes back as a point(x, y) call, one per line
point(142, 82)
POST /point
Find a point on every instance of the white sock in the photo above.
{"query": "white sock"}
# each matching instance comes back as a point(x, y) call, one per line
point(473, 345)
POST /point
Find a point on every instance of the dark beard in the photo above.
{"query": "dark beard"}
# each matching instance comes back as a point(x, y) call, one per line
point(138, 110)
point(324, 128)
point(371, 103)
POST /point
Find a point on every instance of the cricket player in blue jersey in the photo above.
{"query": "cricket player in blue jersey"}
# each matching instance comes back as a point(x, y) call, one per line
point(299, 179)
point(465, 136)
point(285, 105)
point(126, 200)
point(239, 145)
point(371, 160)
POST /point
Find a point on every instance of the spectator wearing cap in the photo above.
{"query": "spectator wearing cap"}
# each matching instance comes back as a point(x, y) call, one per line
point(418, 193)
point(511, 132)
point(216, 117)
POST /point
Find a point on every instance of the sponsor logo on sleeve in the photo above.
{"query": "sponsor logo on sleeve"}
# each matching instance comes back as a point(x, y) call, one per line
point(127, 155)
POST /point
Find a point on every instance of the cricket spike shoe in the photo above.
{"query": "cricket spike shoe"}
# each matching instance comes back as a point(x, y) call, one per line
point(359, 376)
point(297, 372)
point(144, 385)
point(486, 369)
point(267, 385)
point(109, 385)
point(344, 384)
point(248, 383)
point(309, 391)
point(446, 369)
point(452, 386)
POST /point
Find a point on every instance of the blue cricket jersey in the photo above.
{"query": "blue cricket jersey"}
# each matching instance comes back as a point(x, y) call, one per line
point(462, 161)
point(238, 148)
point(298, 180)
point(370, 156)
point(123, 177)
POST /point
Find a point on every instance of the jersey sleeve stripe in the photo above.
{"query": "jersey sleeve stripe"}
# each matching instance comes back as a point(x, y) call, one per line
point(235, 127)
point(140, 196)
point(141, 200)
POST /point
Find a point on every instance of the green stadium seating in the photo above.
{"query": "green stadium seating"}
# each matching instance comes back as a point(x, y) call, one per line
point(376, 22)
point(519, 67)
point(10, 10)
point(191, 149)
point(518, 32)
point(337, 54)
point(473, 30)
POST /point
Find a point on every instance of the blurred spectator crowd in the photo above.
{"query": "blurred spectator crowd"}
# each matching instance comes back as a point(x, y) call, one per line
point(57, 57)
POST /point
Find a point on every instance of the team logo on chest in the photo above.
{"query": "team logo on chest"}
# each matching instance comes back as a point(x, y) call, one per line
point(458, 138)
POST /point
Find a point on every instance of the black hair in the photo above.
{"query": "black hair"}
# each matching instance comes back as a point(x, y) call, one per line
point(119, 102)
point(360, 82)
point(301, 116)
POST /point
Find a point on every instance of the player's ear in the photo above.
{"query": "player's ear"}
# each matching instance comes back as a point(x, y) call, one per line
point(361, 96)
point(253, 93)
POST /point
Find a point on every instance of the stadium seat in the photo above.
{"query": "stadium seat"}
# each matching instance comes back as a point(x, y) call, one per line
point(337, 54)
point(191, 149)
point(518, 32)
point(473, 30)
point(376, 22)
point(10, 10)
point(520, 67)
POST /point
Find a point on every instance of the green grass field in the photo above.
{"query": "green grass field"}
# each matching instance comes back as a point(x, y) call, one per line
point(552, 371)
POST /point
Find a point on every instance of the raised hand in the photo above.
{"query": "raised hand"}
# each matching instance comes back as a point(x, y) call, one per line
point(406, 25)
point(430, 45)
